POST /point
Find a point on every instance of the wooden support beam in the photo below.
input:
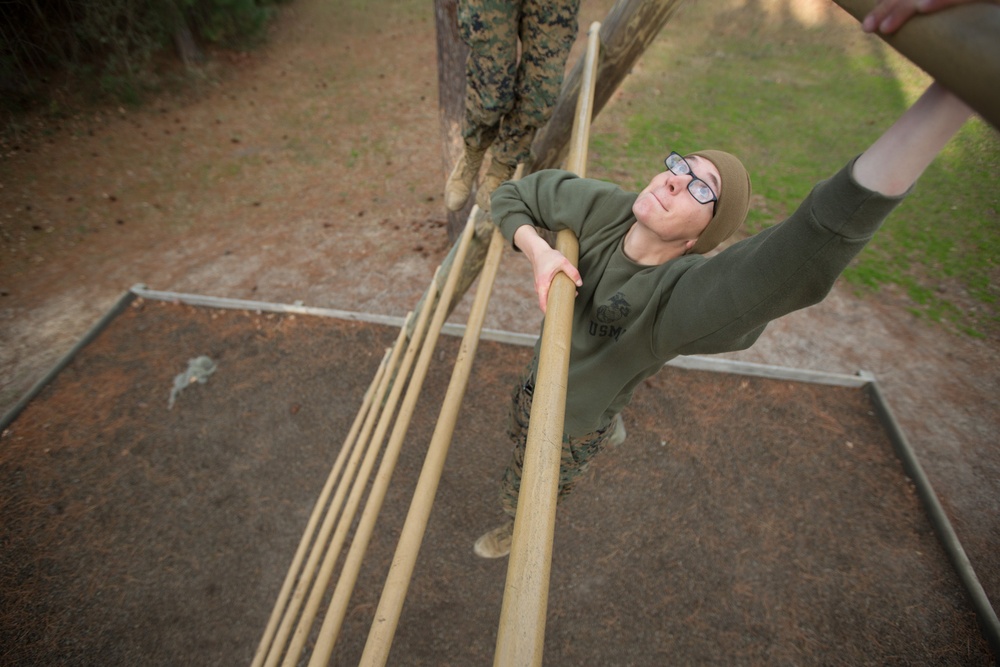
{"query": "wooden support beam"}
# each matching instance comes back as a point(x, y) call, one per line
point(404, 560)
point(521, 636)
point(959, 47)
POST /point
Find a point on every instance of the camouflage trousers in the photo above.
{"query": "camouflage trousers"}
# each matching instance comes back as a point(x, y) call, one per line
point(577, 453)
point(507, 100)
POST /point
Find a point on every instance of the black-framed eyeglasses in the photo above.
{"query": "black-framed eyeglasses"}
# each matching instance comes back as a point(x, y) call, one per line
point(699, 189)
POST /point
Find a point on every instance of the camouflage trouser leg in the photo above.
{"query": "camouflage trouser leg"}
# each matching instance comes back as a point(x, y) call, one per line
point(577, 453)
point(506, 101)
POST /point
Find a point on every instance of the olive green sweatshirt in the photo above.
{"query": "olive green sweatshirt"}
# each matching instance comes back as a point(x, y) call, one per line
point(630, 319)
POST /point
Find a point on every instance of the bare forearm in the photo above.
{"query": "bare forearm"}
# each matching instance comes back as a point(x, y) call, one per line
point(897, 159)
point(545, 260)
point(529, 242)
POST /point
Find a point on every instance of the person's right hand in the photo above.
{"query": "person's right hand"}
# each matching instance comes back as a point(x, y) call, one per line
point(889, 15)
point(545, 261)
point(545, 264)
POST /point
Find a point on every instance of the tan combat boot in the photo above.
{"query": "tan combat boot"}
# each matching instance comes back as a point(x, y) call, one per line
point(496, 543)
point(497, 173)
point(459, 185)
point(618, 434)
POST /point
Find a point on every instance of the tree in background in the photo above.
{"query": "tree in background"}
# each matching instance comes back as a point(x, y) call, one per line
point(111, 43)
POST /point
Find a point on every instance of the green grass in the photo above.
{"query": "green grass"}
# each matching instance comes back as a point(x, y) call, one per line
point(795, 102)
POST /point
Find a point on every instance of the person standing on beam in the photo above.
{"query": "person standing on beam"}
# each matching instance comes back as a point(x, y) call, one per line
point(507, 98)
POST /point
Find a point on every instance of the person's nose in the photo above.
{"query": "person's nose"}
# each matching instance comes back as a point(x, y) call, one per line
point(677, 182)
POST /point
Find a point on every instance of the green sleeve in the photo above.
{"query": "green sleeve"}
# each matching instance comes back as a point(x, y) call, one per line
point(724, 302)
point(554, 199)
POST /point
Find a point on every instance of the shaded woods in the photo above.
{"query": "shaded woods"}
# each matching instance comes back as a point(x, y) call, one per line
point(108, 47)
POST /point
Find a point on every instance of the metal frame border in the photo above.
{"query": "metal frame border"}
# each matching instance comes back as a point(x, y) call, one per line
point(911, 465)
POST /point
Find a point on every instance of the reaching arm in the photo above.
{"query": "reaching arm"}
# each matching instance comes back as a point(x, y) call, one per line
point(724, 302)
point(897, 159)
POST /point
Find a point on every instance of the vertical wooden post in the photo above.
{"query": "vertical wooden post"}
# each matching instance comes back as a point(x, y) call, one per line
point(521, 635)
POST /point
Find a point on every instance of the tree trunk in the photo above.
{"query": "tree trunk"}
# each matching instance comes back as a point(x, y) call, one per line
point(184, 42)
point(186, 47)
point(452, 53)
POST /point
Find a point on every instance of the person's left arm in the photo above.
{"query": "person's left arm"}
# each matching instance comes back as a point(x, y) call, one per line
point(725, 302)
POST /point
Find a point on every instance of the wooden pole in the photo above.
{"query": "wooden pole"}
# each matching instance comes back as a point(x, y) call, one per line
point(322, 580)
point(322, 542)
point(397, 582)
point(521, 635)
point(337, 609)
point(959, 47)
point(294, 569)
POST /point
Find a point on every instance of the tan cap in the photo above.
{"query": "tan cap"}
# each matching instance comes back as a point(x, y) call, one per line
point(734, 202)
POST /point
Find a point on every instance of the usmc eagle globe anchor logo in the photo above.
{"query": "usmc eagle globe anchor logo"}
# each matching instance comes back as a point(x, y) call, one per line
point(613, 311)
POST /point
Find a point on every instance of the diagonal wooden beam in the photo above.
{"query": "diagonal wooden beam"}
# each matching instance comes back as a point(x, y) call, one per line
point(958, 46)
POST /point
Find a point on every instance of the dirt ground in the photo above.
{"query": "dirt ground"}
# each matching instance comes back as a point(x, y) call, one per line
point(778, 529)
point(311, 171)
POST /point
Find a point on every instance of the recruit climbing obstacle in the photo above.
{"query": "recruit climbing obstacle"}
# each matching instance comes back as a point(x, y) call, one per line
point(952, 48)
point(290, 624)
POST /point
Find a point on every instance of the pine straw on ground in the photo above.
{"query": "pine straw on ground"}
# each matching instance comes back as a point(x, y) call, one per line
point(744, 521)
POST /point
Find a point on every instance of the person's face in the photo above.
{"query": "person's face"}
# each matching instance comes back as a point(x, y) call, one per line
point(668, 209)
